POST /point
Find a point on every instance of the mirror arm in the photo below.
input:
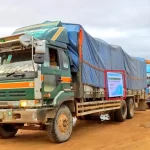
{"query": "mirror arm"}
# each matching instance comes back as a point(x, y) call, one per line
point(32, 54)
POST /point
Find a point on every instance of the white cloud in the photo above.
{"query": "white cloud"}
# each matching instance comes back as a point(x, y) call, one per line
point(124, 23)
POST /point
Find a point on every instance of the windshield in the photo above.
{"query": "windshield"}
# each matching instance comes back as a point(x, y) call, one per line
point(17, 61)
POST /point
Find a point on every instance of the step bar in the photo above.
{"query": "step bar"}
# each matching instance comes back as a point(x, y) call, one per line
point(86, 108)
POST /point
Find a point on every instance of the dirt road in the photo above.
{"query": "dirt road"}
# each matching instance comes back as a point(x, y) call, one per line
point(132, 134)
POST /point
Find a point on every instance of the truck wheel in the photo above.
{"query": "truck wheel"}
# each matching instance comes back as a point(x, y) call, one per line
point(59, 129)
point(7, 131)
point(112, 116)
point(121, 114)
point(130, 108)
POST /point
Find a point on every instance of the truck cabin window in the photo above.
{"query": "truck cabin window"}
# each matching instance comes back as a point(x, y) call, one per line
point(54, 59)
point(65, 64)
point(16, 56)
point(16, 61)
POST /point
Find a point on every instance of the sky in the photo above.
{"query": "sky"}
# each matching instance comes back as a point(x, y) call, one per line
point(119, 22)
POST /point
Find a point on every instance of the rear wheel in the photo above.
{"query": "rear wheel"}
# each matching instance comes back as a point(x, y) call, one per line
point(59, 129)
point(7, 131)
point(112, 116)
point(130, 108)
point(121, 114)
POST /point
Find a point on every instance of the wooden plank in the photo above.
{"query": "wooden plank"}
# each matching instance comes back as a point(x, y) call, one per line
point(107, 105)
point(96, 107)
point(99, 102)
point(7, 42)
point(95, 111)
point(10, 38)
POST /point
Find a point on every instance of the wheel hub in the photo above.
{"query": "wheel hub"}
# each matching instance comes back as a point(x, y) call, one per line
point(63, 123)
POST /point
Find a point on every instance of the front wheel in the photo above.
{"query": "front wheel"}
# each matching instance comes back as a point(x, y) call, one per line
point(7, 131)
point(59, 129)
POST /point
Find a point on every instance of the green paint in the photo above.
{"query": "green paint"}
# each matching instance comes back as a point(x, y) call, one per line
point(55, 99)
point(16, 94)
point(2, 40)
point(62, 96)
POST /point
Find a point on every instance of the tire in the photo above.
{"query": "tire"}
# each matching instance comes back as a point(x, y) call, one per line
point(7, 131)
point(121, 114)
point(130, 108)
point(59, 129)
point(148, 105)
point(112, 116)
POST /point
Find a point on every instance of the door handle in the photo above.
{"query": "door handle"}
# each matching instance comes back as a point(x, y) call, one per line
point(59, 79)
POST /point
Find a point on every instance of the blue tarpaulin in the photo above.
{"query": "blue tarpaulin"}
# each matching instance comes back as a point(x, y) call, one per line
point(99, 56)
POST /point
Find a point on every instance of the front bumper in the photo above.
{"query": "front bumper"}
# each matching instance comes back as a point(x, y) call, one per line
point(26, 115)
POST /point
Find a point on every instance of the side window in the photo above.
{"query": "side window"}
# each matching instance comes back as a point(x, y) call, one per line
point(54, 59)
point(64, 57)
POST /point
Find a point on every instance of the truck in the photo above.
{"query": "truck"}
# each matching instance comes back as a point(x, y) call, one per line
point(53, 71)
point(148, 82)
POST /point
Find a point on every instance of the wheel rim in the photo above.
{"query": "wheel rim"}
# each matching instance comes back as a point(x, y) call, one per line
point(63, 123)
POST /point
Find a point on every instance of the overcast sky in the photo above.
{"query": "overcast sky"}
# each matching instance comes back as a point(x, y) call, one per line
point(119, 22)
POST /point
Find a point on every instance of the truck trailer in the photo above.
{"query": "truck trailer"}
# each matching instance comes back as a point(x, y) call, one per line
point(148, 82)
point(54, 71)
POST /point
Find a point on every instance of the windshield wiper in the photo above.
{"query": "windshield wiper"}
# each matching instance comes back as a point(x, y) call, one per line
point(9, 74)
point(15, 74)
point(19, 74)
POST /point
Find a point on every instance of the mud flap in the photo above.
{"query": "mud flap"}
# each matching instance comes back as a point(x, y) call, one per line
point(142, 105)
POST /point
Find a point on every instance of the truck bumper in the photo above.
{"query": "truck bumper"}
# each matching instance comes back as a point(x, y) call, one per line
point(25, 115)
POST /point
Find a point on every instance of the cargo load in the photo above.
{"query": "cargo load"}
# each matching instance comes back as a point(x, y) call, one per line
point(97, 56)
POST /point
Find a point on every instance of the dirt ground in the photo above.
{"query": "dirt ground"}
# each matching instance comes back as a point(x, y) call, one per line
point(132, 134)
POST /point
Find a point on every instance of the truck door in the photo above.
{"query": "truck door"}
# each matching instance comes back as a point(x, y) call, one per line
point(56, 72)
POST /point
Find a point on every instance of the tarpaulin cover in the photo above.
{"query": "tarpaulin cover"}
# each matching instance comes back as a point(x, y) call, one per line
point(99, 56)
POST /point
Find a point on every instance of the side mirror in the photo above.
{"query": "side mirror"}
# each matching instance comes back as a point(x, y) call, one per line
point(40, 46)
point(39, 58)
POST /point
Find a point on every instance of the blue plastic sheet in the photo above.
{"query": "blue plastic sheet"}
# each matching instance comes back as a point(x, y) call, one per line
point(99, 56)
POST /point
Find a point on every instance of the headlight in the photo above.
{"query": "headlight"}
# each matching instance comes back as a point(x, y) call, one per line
point(23, 103)
point(30, 103)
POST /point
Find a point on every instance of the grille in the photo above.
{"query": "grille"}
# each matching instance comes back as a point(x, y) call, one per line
point(2, 94)
point(17, 93)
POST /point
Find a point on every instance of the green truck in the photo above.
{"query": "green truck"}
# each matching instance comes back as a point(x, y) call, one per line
point(53, 71)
